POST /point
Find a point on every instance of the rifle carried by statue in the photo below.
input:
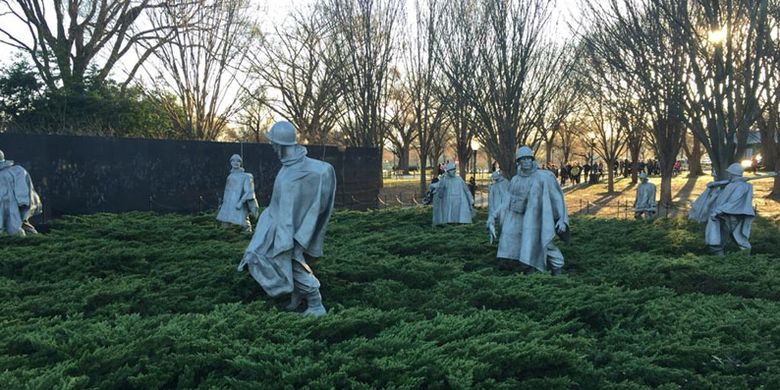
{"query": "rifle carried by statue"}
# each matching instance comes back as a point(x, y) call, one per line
point(700, 208)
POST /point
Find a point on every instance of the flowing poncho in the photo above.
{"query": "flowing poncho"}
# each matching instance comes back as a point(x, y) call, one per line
point(294, 223)
point(239, 189)
point(18, 199)
point(529, 223)
point(645, 198)
point(451, 201)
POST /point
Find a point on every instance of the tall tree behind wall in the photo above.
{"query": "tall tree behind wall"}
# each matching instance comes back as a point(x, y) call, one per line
point(422, 85)
point(366, 33)
point(298, 64)
point(200, 65)
point(65, 40)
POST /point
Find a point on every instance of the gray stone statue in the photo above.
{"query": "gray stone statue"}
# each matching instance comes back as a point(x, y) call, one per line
point(18, 199)
point(644, 205)
point(497, 193)
point(292, 228)
point(533, 212)
point(452, 200)
point(238, 200)
point(727, 208)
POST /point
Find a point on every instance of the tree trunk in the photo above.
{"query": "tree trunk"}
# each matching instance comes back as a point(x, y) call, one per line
point(667, 168)
point(548, 146)
point(694, 154)
point(463, 166)
point(776, 185)
point(634, 165)
point(610, 176)
point(423, 169)
point(403, 160)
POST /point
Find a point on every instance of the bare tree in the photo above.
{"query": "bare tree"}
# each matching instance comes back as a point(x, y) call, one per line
point(422, 86)
point(457, 54)
point(402, 132)
point(517, 74)
point(199, 66)
point(568, 133)
point(603, 123)
point(66, 39)
point(563, 105)
point(254, 118)
point(298, 62)
point(365, 41)
point(636, 39)
point(693, 152)
point(730, 49)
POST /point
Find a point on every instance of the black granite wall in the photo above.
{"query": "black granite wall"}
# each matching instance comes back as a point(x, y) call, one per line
point(83, 175)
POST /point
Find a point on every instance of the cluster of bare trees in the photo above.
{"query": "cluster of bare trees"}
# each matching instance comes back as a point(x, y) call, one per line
point(434, 76)
point(693, 73)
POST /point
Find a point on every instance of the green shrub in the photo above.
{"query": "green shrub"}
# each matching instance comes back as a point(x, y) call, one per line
point(142, 300)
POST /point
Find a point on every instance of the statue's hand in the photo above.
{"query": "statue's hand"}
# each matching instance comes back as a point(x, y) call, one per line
point(561, 226)
point(492, 229)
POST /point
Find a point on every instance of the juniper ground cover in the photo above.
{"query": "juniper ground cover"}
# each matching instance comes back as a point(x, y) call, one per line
point(141, 300)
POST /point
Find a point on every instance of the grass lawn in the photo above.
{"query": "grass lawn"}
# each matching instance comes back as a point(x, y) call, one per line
point(141, 300)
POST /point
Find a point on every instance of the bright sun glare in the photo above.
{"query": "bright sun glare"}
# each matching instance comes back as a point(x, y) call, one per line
point(717, 36)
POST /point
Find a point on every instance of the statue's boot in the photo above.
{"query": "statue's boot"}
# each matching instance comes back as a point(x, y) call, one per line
point(745, 251)
point(295, 300)
point(716, 250)
point(315, 309)
point(557, 271)
point(28, 228)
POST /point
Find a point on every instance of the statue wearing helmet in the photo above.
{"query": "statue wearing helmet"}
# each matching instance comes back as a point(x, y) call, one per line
point(18, 199)
point(497, 192)
point(644, 204)
point(533, 212)
point(238, 200)
point(292, 228)
point(452, 200)
point(727, 208)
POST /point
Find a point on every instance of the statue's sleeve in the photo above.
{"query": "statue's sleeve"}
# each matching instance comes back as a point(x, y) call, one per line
point(22, 187)
point(557, 200)
point(249, 189)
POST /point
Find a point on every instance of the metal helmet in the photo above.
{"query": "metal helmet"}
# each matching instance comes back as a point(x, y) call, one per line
point(236, 157)
point(735, 169)
point(2, 156)
point(524, 151)
point(643, 175)
point(450, 166)
point(282, 133)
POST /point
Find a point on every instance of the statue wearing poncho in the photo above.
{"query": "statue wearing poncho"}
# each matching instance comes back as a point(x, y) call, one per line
point(534, 211)
point(452, 199)
point(18, 199)
point(293, 226)
point(728, 212)
point(644, 204)
point(238, 200)
point(497, 192)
